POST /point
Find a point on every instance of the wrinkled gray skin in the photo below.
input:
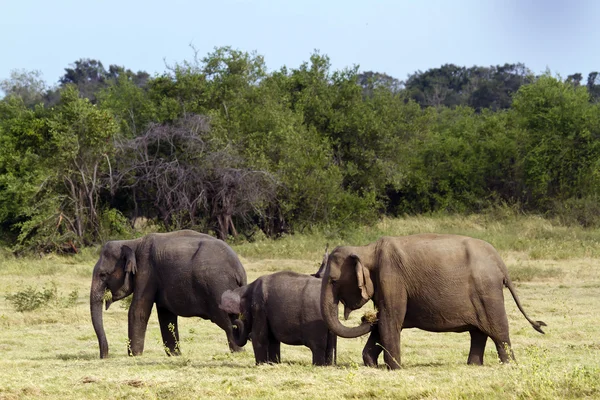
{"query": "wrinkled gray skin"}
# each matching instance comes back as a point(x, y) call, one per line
point(283, 307)
point(438, 283)
point(183, 272)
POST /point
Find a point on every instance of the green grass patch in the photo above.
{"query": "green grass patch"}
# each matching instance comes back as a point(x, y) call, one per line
point(524, 273)
point(540, 238)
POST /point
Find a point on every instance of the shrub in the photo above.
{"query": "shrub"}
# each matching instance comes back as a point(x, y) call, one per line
point(113, 224)
point(31, 298)
point(71, 299)
point(583, 211)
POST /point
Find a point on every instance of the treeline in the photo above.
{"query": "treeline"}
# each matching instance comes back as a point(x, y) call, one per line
point(220, 144)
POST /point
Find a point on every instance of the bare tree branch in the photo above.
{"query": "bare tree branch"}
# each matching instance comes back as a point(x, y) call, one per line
point(190, 178)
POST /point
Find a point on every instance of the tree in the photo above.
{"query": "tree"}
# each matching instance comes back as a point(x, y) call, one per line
point(116, 72)
point(438, 86)
point(560, 145)
point(575, 79)
point(190, 179)
point(28, 85)
point(494, 87)
point(22, 140)
point(90, 77)
point(370, 80)
point(593, 86)
point(59, 156)
point(130, 104)
point(478, 87)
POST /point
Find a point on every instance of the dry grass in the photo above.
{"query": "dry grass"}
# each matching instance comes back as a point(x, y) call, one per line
point(52, 352)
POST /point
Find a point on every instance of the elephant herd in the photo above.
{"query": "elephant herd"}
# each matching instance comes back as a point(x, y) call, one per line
point(438, 283)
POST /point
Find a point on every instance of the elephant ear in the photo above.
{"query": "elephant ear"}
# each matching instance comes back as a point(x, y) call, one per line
point(230, 302)
point(363, 276)
point(129, 256)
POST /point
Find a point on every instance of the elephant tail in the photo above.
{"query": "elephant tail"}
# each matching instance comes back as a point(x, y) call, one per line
point(240, 276)
point(537, 325)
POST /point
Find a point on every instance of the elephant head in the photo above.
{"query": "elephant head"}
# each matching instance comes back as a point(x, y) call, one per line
point(114, 271)
point(237, 304)
point(346, 279)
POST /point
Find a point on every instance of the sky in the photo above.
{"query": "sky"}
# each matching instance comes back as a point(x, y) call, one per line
point(393, 37)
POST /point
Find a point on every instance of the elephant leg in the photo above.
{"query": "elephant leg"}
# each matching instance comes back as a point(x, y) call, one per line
point(502, 342)
point(497, 329)
point(260, 335)
point(139, 313)
point(318, 345)
point(391, 317)
point(274, 351)
point(390, 340)
point(260, 344)
point(318, 355)
point(505, 352)
point(331, 349)
point(372, 348)
point(169, 331)
point(478, 341)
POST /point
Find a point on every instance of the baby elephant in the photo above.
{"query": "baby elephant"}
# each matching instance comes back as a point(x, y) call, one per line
point(284, 307)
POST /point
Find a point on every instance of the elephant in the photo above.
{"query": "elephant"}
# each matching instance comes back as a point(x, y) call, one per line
point(434, 282)
point(183, 272)
point(284, 307)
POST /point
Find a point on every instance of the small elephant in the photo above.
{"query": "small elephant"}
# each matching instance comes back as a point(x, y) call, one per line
point(438, 283)
point(283, 307)
point(183, 272)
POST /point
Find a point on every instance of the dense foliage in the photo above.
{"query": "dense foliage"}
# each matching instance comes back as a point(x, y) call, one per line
point(221, 144)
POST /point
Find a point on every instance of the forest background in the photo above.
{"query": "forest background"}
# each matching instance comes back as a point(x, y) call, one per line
point(222, 145)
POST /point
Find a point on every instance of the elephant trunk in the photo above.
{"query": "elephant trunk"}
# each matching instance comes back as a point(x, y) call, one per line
point(96, 297)
point(240, 332)
point(329, 309)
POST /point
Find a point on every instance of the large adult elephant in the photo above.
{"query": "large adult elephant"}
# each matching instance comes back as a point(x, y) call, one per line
point(438, 283)
point(183, 272)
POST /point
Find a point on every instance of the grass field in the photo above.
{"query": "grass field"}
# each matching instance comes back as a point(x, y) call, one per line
point(52, 352)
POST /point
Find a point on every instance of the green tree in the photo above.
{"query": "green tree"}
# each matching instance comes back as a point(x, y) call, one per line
point(130, 105)
point(477, 87)
point(559, 148)
point(593, 86)
point(58, 156)
point(370, 80)
point(22, 139)
point(28, 85)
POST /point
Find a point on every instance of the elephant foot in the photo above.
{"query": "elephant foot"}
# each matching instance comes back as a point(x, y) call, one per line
point(370, 361)
point(475, 361)
point(174, 352)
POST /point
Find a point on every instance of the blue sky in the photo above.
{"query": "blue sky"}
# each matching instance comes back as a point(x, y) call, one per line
point(395, 37)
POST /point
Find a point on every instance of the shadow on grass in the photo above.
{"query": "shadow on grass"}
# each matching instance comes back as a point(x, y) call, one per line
point(74, 357)
point(185, 362)
point(140, 361)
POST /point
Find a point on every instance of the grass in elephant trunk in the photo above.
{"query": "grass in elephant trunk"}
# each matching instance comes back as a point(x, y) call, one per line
point(370, 316)
point(52, 352)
